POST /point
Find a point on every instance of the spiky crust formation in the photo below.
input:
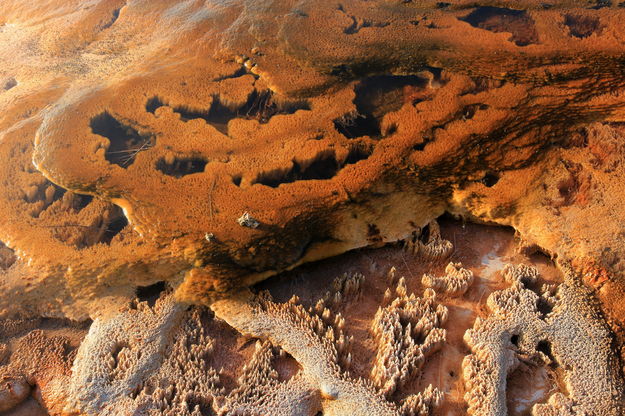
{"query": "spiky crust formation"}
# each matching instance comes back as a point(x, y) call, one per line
point(347, 348)
point(455, 282)
point(553, 324)
point(320, 348)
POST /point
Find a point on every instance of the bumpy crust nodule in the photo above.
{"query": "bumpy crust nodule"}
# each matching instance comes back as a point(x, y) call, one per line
point(575, 333)
point(455, 282)
point(396, 328)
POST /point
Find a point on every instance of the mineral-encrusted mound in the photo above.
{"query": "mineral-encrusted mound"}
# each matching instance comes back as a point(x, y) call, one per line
point(214, 144)
point(347, 348)
point(554, 325)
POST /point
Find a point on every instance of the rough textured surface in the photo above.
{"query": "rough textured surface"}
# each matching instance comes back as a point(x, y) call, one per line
point(118, 354)
point(145, 361)
point(398, 328)
point(208, 145)
point(317, 347)
point(455, 282)
point(148, 360)
point(421, 107)
point(161, 357)
point(556, 324)
point(35, 360)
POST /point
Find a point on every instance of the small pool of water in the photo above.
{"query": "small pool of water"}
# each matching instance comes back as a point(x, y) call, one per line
point(491, 264)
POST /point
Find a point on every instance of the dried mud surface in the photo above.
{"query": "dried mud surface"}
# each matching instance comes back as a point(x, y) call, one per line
point(208, 146)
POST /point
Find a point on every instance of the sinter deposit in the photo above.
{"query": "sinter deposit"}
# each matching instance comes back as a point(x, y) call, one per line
point(182, 181)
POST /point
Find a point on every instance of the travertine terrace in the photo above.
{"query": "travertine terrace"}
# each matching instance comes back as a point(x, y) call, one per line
point(192, 150)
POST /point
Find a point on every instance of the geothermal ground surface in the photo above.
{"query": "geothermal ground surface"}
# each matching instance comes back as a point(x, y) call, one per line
point(202, 202)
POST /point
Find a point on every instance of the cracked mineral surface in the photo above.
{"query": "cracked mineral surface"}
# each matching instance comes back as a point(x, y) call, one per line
point(230, 207)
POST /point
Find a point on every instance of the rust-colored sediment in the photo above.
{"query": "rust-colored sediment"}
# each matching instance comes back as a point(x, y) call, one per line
point(144, 161)
point(137, 136)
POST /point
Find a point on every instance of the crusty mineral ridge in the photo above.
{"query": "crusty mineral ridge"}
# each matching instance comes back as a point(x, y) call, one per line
point(343, 348)
point(144, 360)
point(137, 133)
point(156, 361)
point(557, 325)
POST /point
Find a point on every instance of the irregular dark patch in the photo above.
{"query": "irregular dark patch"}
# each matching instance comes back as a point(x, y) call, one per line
point(260, 106)
point(424, 21)
point(153, 103)
point(424, 237)
point(420, 146)
point(490, 179)
point(545, 347)
point(375, 97)
point(150, 293)
point(78, 202)
point(600, 4)
point(581, 26)
point(117, 223)
point(342, 71)
point(323, 166)
point(544, 307)
point(198, 403)
point(567, 189)
point(497, 19)
point(356, 154)
point(182, 166)
point(390, 130)
point(236, 74)
point(355, 125)
point(373, 234)
point(9, 83)
point(125, 141)
point(358, 23)
point(114, 17)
